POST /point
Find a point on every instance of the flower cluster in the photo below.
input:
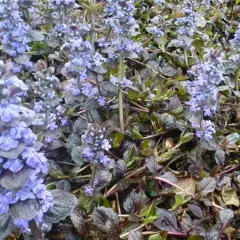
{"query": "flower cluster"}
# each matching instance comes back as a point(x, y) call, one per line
point(119, 16)
point(18, 157)
point(206, 77)
point(13, 30)
point(95, 144)
point(186, 25)
point(46, 87)
point(121, 84)
point(205, 129)
point(82, 60)
point(62, 3)
point(236, 40)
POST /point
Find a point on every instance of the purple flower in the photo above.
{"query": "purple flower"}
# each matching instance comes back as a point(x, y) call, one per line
point(104, 159)
point(7, 143)
point(88, 190)
point(105, 145)
point(14, 165)
point(88, 153)
point(205, 129)
point(8, 112)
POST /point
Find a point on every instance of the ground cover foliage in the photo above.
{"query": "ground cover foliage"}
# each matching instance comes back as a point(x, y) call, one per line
point(119, 119)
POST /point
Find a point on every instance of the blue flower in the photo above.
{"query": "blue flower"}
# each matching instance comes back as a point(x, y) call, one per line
point(88, 190)
point(205, 129)
point(8, 112)
point(14, 165)
point(7, 142)
point(206, 77)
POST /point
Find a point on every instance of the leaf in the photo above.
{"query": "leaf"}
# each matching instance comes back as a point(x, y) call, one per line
point(152, 164)
point(170, 177)
point(79, 222)
point(179, 200)
point(105, 219)
point(79, 126)
point(214, 233)
point(14, 153)
point(187, 137)
point(232, 138)
point(207, 185)
point(188, 185)
point(175, 105)
point(76, 155)
point(103, 179)
point(36, 35)
point(109, 88)
point(209, 144)
point(85, 202)
point(166, 221)
point(135, 235)
point(155, 237)
point(27, 209)
point(63, 206)
point(118, 139)
point(15, 181)
point(226, 215)
point(230, 197)
point(119, 170)
point(196, 210)
point(63, 185)
point(219, 157)
point(135, 201)
point(6, 225)
point(196, 237)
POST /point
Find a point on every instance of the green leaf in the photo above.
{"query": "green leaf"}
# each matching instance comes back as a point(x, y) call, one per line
point(85, 202)
point(237, 2)
point(118, 137)
point(179, 200)
point(185, 138)
point(195, 237)
point(155, 237)
point(136, 133)
point(146, 148)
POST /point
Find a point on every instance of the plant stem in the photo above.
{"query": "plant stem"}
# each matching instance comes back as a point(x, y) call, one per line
point(92, 39)
point(236, 77)
point(93, 175)
point(46, 119)
point(186, 58)
point(120, 95)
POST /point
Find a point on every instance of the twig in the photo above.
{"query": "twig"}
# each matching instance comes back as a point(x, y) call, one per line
point(229, 170)
point(135, 229)
point(169, 233)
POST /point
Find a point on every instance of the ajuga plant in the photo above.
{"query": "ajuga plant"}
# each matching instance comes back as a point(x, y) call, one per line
point(119, 119)
point(24, 197)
